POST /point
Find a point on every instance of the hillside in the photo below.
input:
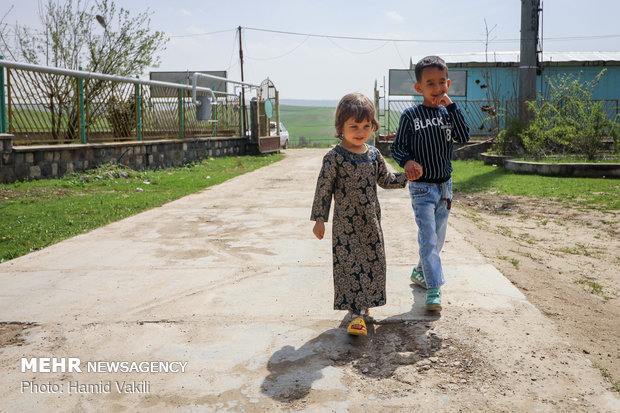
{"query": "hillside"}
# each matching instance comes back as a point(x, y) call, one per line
point(315, 124)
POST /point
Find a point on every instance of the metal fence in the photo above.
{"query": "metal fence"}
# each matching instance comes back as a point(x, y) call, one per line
point(481, 115)
point(42, 106)
point(610, 106)
point(485, 118)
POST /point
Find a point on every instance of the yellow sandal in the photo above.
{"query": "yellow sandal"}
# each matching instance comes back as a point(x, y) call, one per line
point(357, 327)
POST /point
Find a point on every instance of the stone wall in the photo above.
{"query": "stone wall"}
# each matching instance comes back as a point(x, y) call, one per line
point(51, 161)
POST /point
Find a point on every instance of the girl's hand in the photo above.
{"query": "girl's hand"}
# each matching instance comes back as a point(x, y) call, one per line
point(319, 229)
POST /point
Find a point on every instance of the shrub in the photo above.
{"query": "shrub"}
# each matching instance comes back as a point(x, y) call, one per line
point(122, 117)
point(569, 121)
point(508, 140)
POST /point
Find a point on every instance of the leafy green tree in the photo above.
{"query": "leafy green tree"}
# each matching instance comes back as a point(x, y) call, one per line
point(99, 38)
point(71, 36)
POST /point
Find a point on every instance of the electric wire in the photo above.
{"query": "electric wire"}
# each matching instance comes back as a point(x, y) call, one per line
point(570, 38)
point(202, 34)
point(354, 52)
point(282, 55)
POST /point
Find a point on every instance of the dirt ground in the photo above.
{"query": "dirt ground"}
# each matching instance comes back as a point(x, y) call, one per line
point(565, 261)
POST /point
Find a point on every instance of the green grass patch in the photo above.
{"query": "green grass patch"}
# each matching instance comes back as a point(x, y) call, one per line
point(591, 193)
point(595, 288)
point(36, 214)
point(513, 261)
point(571, 159)
point(314, 124)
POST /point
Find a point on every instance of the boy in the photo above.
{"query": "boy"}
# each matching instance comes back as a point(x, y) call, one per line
point(423, 147)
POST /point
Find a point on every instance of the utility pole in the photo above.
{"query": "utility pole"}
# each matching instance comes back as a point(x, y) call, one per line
point(245, 128)
point(528, 65)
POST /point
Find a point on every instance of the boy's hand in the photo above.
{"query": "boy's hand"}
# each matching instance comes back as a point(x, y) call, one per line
point(443, 99)
point(413, 170)
point(319, 229)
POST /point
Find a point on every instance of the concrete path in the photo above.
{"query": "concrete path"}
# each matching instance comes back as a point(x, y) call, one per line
point(231, 284)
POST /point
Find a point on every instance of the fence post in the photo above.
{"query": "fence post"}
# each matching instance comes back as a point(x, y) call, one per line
point(241, 131)
point(2, 101)
point(81, 109)
point(277, 113)
point(181, 115)
point(138, 111)
point(214, 117)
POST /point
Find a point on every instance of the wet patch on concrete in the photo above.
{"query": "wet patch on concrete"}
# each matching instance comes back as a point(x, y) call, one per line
point(395, 353)
point(11, 332)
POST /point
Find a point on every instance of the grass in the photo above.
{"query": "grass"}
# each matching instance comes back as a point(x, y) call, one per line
point(614, 383)
point(315, 124)
point(571, 159)
point(595, 288)
point(590, 193)
point(36, 214)
point(513, 261)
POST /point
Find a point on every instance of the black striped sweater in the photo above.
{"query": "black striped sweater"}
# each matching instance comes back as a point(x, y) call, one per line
point(426, 135)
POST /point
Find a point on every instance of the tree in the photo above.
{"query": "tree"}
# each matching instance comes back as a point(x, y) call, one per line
point(4, 34)
point(71, 38)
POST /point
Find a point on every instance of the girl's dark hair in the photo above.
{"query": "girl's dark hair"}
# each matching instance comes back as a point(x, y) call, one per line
point(357, 106)
point(429, 61)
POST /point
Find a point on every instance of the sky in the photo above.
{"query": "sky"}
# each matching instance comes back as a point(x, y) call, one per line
point(308, 67)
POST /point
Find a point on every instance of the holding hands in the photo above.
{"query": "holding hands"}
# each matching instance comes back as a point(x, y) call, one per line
point(413, 170)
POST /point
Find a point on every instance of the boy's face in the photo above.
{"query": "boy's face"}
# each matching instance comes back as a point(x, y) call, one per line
point(433, 85)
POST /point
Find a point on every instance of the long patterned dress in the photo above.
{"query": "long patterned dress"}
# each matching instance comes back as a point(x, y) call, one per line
point(357, 239)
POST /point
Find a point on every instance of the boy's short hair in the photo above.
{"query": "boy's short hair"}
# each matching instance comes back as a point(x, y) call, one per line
point(429, 61)
point(357, 106)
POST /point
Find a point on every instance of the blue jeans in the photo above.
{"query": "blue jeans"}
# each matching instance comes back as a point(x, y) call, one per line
point(430, 207)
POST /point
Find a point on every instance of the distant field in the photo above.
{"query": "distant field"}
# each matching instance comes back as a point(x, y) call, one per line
point(315, 124)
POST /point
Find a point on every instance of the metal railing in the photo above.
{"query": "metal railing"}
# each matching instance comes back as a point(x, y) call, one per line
point(479, 114)
point(43, 105)
point(610, 107)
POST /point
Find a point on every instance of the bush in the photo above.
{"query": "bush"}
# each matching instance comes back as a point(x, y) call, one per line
point(122, 117)
point(509, 139)
point(569, 122)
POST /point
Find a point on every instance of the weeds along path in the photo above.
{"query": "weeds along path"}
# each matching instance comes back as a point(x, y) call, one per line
point(563, 258)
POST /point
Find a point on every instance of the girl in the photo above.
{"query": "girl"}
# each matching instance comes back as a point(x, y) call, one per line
point(350, 173)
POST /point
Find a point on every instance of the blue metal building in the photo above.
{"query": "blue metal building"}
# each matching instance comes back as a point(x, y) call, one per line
point(488, 83)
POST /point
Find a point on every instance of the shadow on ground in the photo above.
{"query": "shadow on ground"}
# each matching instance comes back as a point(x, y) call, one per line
point(398, 340)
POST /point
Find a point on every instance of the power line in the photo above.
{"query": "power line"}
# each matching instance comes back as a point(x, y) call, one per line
point(283, 54)
point(381, 39)
point(202, 34)
point(354, 52)
point(351, 37)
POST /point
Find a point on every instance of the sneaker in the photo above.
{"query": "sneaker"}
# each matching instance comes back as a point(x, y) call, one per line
point(433, 299)
point(417, 277)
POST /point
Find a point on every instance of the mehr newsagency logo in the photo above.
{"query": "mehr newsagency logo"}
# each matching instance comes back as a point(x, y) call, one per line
point(75, 365)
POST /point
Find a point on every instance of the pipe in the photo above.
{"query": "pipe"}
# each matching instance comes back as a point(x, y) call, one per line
point(196, 75)
point(100, 76)
point(194, 88)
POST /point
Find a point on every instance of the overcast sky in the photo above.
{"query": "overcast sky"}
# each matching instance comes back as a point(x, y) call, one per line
point(304, 67)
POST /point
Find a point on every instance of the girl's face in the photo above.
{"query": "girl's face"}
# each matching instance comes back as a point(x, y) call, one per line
point(355, 134)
